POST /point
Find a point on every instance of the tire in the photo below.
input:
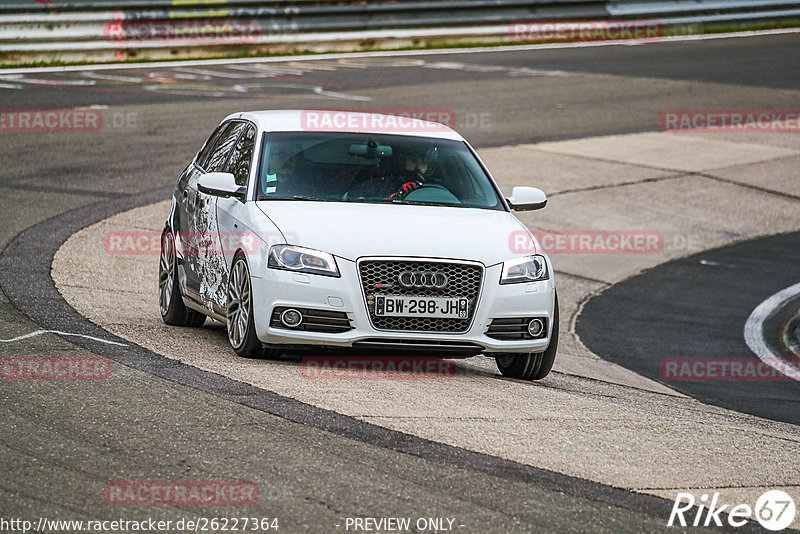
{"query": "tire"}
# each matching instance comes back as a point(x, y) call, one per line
point(531, 366)
point(240, 325)
point(170, 302)
point(518, 365)
point(549, 355)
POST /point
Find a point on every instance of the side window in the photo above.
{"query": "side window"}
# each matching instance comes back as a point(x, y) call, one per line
point(223, 146)
point(205, 152)
point(242, 156)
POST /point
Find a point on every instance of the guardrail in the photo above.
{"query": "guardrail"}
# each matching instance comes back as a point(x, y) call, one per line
point(79, 30)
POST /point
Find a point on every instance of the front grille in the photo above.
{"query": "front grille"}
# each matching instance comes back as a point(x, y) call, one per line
point(331, 322)
point(464, 280)
point(514, 328)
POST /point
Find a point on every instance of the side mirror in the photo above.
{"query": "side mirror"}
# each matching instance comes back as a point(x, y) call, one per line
point(221, 184)
point(527, 199)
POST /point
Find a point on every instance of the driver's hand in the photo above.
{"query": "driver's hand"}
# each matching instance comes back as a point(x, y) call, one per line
point(406, 189)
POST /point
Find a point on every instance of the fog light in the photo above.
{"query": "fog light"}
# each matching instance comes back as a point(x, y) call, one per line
point(535, 327)
point(291, 318)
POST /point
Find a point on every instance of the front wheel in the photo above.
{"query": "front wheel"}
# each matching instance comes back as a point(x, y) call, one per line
point(531, 366)
point(240, 325)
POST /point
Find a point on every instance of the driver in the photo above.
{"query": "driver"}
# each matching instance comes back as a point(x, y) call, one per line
point(412, 176)
point(408, 172)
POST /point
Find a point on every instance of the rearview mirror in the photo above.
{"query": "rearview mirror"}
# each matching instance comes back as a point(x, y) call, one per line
point(221, 184)
point(527, 199)
point(370, 149)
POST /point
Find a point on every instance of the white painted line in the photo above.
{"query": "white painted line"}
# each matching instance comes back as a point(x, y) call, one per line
point(39, 81)
point(40, 332)
point(212, 73)
point(333, 94)
point(272, 71)
point(718, 264)
point(111, 77)
point(754, 327)
point(395, 53)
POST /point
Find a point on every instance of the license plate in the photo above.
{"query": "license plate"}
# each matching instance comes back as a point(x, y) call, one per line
point(435, 307)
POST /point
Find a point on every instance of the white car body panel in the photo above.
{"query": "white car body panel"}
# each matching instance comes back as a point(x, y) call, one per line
point(281, 288)
point(352, 231)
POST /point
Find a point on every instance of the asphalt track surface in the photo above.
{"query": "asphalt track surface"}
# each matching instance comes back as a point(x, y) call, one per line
point(696, 308)
point(157, 419)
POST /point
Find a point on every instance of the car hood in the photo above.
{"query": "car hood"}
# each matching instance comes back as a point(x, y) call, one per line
point(353, 230)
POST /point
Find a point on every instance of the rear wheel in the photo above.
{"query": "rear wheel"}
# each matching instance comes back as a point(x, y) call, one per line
point(531, 366)
point(173, 311)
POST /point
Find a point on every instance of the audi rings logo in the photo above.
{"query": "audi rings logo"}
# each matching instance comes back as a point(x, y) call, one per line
point(420, 280)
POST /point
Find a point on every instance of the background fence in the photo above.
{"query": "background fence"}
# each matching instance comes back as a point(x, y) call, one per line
point(74, 30)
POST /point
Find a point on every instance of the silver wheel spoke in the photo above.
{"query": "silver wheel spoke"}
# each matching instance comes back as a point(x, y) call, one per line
point(166, 274)
point(238, 304)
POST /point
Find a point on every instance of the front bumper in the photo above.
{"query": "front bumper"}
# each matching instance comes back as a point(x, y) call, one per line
point(283, 288)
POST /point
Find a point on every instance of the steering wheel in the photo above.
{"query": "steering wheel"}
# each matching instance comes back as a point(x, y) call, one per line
point(433, 193)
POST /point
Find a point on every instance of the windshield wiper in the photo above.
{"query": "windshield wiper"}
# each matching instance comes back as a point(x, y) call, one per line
point(313, 199)
point(369, 201)
point(299, 197)
point(422, 203)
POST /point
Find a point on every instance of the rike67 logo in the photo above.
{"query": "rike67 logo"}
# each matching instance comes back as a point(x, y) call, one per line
point(774, 510)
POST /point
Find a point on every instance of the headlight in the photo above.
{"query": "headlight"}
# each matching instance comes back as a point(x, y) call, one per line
point(302, 260)
point(525, 269)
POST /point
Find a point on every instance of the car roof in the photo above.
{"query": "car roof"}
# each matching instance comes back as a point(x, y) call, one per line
point(321, 120)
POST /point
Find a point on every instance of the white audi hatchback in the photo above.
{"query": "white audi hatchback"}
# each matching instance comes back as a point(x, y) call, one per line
point(345, 229)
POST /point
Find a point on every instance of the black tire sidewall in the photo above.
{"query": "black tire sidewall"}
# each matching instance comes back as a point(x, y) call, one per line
point(176, 311)
point(252, 346)
point(549, 355)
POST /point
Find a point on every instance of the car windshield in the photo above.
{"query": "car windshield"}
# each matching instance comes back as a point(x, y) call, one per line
point(373, 168)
